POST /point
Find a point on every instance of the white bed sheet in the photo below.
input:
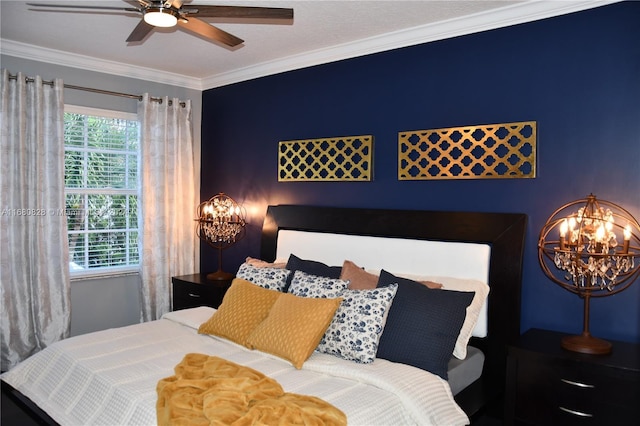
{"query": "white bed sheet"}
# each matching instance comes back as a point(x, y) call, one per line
point(110, 377)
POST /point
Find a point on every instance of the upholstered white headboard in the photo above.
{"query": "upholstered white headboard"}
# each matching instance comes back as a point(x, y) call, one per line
point(432, 260)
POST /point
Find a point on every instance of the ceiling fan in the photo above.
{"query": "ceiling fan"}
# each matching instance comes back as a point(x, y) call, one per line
point(169, 13)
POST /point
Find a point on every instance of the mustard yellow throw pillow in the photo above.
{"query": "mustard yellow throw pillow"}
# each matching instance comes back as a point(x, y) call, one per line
point(294, 327)
point(245, 305)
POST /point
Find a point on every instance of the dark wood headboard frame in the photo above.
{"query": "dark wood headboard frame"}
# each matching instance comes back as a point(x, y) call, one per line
point(504, 232)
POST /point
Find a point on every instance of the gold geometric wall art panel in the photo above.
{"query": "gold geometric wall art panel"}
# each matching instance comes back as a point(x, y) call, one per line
point(343, 158)
point(491, 151)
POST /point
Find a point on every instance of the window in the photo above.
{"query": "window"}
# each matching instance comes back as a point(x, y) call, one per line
point(101, 190)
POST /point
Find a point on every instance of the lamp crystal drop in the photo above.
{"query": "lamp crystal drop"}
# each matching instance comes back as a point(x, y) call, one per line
point(220, 221)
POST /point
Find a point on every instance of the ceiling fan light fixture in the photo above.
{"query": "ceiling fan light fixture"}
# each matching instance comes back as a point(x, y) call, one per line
point(160, 17)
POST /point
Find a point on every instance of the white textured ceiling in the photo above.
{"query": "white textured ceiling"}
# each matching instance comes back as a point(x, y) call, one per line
point(321, 31)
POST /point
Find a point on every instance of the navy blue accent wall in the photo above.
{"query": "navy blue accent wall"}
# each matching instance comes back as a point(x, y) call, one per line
point(577, 75)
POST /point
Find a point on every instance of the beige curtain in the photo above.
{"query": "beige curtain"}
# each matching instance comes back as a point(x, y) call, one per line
point(34, 257)
point(168, 201)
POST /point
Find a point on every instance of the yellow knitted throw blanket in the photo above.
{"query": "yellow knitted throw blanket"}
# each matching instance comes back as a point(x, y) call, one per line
point(208, 390)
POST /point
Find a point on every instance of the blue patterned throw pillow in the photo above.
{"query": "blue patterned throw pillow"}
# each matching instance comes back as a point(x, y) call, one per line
point(358, 323)
point(308, 285)
point(269, 278)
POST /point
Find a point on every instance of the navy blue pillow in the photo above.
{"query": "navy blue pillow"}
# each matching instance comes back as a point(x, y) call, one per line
point(312, 267)
point(423, 324)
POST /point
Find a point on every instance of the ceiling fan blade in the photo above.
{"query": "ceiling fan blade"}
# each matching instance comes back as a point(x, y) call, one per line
point(68, 6)
point(202, 28)
point(140, 31)
point(239, 12)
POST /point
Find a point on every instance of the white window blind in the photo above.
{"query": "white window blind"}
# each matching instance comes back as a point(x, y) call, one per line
point(101, 189)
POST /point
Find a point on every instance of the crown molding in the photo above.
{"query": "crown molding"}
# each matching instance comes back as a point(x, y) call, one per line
point(519, 13)
point(58, 57)
point(498, 18)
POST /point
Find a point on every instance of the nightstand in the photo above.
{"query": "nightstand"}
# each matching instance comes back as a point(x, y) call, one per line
point(190, 291)
point(548, 385)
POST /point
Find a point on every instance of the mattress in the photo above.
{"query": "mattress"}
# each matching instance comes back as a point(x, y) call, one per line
point(110, 377)
point(463, 372)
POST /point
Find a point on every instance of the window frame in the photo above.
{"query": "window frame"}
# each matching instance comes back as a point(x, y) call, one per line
point(106, 271)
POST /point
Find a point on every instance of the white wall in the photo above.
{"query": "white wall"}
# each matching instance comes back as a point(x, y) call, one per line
point(97, 304)
point(101, 303)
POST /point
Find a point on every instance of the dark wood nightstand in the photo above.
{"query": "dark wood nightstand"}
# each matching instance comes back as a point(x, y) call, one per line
point(190, 291)
point(548, 385)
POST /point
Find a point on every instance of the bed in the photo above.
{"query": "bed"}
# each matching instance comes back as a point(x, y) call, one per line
point(110, 377)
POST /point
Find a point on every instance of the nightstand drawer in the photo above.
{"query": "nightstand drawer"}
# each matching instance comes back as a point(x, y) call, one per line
point(547, 385)
point(559, 392)
point(589, 383)
point(190, 291)
point(190, 295)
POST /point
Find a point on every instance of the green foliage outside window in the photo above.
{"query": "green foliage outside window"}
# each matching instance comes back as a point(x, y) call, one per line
point(101, 181)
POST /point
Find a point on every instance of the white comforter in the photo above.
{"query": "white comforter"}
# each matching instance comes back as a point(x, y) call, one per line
point(110, 377)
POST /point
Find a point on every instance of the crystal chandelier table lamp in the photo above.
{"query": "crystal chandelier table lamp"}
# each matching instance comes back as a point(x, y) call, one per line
point(591, 248)
point(220, 223)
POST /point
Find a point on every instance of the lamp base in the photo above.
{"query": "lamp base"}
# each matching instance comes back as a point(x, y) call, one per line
point(586, 344)
point(220, 276)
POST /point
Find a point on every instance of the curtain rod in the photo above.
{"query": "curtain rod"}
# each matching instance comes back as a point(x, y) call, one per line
point(100, 91)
